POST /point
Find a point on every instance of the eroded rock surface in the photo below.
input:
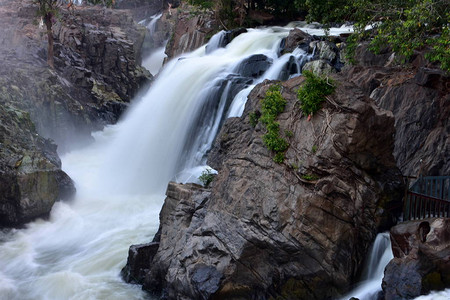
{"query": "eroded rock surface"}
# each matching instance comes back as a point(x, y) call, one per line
point(31, 179)
point(298, 229)
point(419, 97)
point(421, 259)
point(96, 56)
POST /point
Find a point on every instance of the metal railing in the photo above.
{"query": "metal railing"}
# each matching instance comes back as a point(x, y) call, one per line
point(428, 197)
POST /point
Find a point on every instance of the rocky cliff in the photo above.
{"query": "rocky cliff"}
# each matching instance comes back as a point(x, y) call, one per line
point(297, 230)
point(31, 179)
point(418, 94)
point(97, 56)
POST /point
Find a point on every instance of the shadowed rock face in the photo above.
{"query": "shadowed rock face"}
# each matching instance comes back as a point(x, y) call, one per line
point(421, 260)
point(31, 179)
point(419, 98)
point(263, 230)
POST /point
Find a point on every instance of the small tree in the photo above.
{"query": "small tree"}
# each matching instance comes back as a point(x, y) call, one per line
point(48, 10)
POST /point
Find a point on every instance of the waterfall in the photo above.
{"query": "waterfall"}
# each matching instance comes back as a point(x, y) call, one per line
point(153, 61)
point(216, 42)
point(121, 179)
point(379, 257)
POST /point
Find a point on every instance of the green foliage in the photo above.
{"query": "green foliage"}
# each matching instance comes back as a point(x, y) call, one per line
point(271, 106)
point(206, 177)
point(314, 149)
point(254, 118)
point(288, 133)
point(324, 11)
point(108, 3)
point(310, 177)
point(202, 3)
point(46, 8)
point(405, 26)
point(440, 48)
point(312, 93)
point(352, 43)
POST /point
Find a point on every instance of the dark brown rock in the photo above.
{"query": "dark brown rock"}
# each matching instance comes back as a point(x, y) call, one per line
point(139, 258)
point(264, 230)
point(421, 259)
point(419, 100)
point(297, 38)
point(190, 29)
point(31, 179)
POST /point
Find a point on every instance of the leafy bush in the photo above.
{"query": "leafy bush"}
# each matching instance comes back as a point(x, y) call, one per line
point(312, 93)
point(271, 106)
point(206, 178)
point(254, 118)
point(404, 25)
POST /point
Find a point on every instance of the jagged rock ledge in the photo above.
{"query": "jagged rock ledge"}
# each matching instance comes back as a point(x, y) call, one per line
point(263, 230)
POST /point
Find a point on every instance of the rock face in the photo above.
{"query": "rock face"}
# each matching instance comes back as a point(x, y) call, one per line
point(190, 29)
point(298, 230)
point(421, 259)
point(96, 73)
point(31, 179)
point(142, 9)
point(99, 49)
point(419, 98)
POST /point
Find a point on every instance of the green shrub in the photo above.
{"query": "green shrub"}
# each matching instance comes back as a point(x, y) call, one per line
point(310, 177)
point(288, 133)
point(314, 149)
point(405, 26)
point(312, 93)
point(254, 118)
point(206, 178)
point(271, 106)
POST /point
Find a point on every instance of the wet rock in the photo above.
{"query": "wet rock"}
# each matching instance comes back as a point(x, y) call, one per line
point(421, 259)
point(327, 51)
point(254, 66)
point(262, 229)
point(31, 179)
point(297, 39)
point(319, 67)
point(139, 257)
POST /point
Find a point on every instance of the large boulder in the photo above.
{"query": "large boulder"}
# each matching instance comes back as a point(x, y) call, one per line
point(421, 260)
point(300, 229)
point(31, 179)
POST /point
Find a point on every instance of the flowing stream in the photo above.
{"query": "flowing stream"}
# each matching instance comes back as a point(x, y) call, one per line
point(121, 178)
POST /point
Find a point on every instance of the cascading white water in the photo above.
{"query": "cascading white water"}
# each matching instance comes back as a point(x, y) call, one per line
point(379, 257)
point(154, 60)
point(121, 178)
